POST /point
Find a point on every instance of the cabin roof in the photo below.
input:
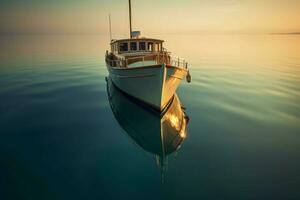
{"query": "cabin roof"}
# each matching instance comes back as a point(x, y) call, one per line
point(136, 40)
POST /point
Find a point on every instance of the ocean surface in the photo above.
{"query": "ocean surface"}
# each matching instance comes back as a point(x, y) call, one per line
point(59, 138)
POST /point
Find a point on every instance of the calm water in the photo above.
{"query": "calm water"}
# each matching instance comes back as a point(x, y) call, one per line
point(59, 138)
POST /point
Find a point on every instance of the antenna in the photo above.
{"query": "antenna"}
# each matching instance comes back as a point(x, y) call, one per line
point(130, 34)
point(109, 27)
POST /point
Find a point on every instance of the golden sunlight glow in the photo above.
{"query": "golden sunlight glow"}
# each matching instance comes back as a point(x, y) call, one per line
point(175, 16)
point(179, 125)
point(174, 121)
point(182, 133)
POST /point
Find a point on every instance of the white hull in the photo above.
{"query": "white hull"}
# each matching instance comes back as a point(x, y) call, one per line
point(154, 85)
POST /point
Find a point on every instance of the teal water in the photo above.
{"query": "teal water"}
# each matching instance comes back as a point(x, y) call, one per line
point(59, 138)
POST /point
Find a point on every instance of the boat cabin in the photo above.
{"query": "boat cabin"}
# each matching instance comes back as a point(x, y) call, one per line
point(136, 45)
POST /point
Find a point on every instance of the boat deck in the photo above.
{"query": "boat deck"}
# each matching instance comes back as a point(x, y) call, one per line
point(139, 60)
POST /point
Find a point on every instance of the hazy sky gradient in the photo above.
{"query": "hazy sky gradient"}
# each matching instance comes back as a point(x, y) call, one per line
point(150, 16)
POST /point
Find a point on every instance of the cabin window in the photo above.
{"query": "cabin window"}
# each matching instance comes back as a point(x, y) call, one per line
point(142, 46)
point(150, 46)
point(156, 47)
point(133, 46)
point(115, 47)
point(124, 46)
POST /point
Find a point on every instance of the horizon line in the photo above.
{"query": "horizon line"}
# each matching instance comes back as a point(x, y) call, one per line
point(170, 33)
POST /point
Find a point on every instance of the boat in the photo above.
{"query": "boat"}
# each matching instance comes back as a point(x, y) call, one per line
point(158, 133)
point(143, 68)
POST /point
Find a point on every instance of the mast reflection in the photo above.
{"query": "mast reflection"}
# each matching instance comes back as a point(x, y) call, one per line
point(158, 133)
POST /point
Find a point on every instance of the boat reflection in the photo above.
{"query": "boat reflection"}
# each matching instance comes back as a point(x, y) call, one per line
point(158, 133)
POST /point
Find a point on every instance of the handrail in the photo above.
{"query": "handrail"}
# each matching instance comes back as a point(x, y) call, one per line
point(160, 58)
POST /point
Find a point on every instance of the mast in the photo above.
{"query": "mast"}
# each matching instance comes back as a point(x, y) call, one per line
point(130, 34)
point(109, 27)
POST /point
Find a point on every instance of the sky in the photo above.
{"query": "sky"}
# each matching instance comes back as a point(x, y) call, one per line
point(150, 16)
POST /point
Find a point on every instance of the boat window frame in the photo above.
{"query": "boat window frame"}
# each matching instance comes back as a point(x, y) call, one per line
point(127, 46)
point(115, 47)
point(156, 47)
point(160, 46)
point(120, 47)
point(145, 44)
point(136, 46)
point(148, 45)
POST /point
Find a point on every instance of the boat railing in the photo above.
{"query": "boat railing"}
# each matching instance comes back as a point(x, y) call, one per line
point(178, 62)
point(159, 58)
point(115, 62)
